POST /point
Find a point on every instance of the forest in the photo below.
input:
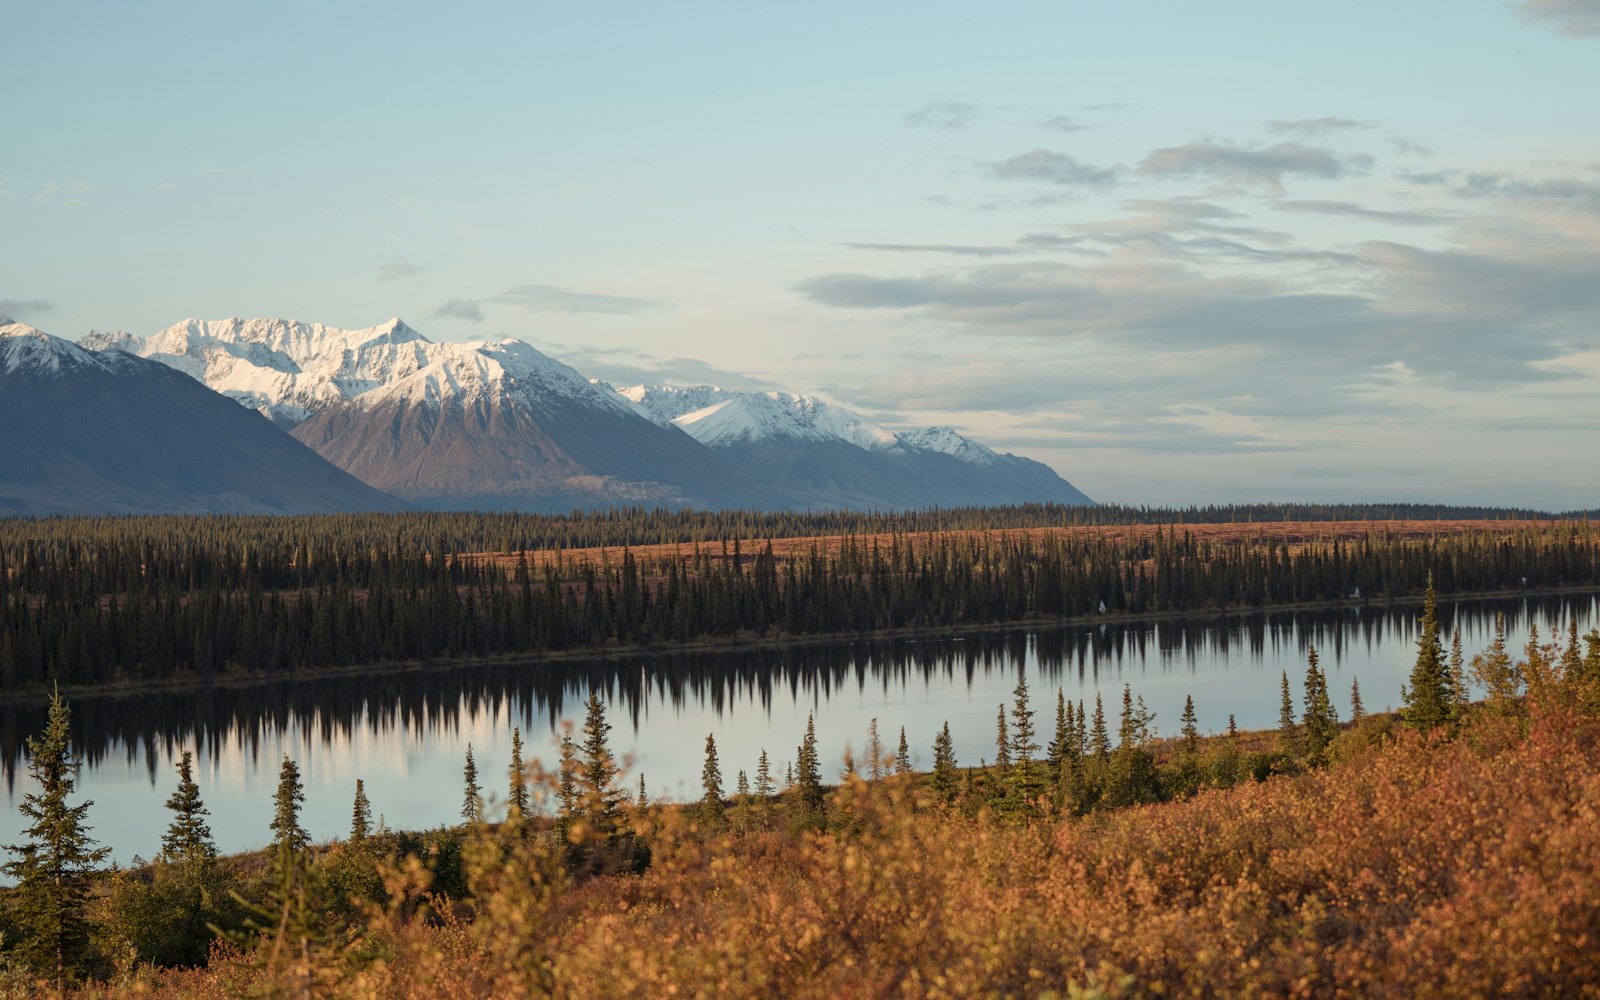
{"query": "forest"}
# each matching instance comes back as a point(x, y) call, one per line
point(89, 602)
point(1445, 850)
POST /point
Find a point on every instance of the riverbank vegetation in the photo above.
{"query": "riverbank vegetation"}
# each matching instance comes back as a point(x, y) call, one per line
point(87, 603)
point(1447, 850)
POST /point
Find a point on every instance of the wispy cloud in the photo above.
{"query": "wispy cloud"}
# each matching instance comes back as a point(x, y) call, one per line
point(943, 115)
point(1349, 209)
point(553, 298)
point(20, 308)
point(957, 249)
point(1314, 126)
point(1051, 167)
point(1252, 169)
point(623, 367)
point(1573, 18)
point(1061, 123)
point(398, 269)
point(467, 309)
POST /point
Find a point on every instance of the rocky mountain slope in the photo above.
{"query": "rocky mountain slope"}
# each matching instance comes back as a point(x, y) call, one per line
point(90, 432)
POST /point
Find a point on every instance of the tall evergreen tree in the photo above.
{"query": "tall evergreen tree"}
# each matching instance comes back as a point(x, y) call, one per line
point(1099, 737)
point(517, 778)
point(1023, 779)
point(643, 800)
point(54, 869)
point(1002, 750)
point(764, 785)
point(1191, 728)
point(1428, 703)
point(1056, 753)
point(902, 755)
point(188, 836)
point(874, 751)
point(472, 797)
point(360, 815)
point(598, 773)
point(1288, 735)
point(288, 836)
point(808, 768)
point(1320, 719)
point(1459, 692)
point(1358, 711)
point(711, 782)
point(944, 764)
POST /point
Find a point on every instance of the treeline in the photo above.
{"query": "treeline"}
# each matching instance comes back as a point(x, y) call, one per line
point(385, 913)
point(200, 597)
point(459, 532)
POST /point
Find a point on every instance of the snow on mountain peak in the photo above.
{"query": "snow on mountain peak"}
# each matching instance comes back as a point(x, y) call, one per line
point(720, 417)
point(947, 440)
point(27, 348)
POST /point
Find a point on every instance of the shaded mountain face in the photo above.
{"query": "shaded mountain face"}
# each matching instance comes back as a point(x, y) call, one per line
point(499, 425)
point(108, 433)
point(490, 425)
point(502, 426)
point(823, 455)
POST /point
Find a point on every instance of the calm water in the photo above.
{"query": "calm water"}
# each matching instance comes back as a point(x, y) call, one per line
point(405, 736)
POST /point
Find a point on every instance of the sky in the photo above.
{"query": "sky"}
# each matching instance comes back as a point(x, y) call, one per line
point(1184, 253)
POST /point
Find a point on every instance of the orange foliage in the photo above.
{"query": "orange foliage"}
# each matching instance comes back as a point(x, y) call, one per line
point(1426, 868)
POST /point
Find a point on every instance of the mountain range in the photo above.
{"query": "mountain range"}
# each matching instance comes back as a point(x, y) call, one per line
point(500, 425)
point(85, 432)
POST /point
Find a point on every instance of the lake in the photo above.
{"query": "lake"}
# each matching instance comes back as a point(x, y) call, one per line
point(406, 734)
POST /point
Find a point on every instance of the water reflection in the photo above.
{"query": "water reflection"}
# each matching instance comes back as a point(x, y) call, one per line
point(405, 733)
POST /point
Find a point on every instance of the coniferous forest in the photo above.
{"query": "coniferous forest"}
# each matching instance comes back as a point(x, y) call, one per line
point(1447, 849)
point(87, 602)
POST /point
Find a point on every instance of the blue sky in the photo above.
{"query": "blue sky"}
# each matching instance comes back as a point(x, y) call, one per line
point(1182, 252)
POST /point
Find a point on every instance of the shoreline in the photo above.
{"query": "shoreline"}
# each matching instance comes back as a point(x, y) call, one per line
point(235, 680)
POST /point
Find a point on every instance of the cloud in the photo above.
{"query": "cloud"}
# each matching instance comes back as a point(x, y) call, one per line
point(1252, 168)
point(467, 309)
point(943, 115)
point(397, 269)
point(626, 366)
point(552, 298)
point(1314, 126)
point(958, 249)
point(1573, 18)
point(67, 192)
point(1352, 210)
point(1054, 168)
point(1061, 123)
point(13, 308)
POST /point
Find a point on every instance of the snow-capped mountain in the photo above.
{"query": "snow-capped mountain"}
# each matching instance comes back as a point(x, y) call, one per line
point(286, 369)
point(499, 424)
point(823, 454)
point(90, 432)
point(484, 424)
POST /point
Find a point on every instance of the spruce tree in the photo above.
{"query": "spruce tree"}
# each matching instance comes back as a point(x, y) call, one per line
point(472, 798)
point(1459, 692)
point(1358, 711)
point(711, 782)
point(1099, 737)
point(808, 769)
point(360, 815)
point(1002, 751)
point(1428, 703)
point(944, 764)
point(566, 786)
point(764, 786)
point(1191, 728)
point(874, 752)
point(643, 800)
point(1023, 779)
point(902, 756)
point(1320, 719)
point(1056, 753)
point(54, 869)
point(597, 775)
point(188, 836)
point(517, 778)
point(1288, 736)
point(288, 836)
